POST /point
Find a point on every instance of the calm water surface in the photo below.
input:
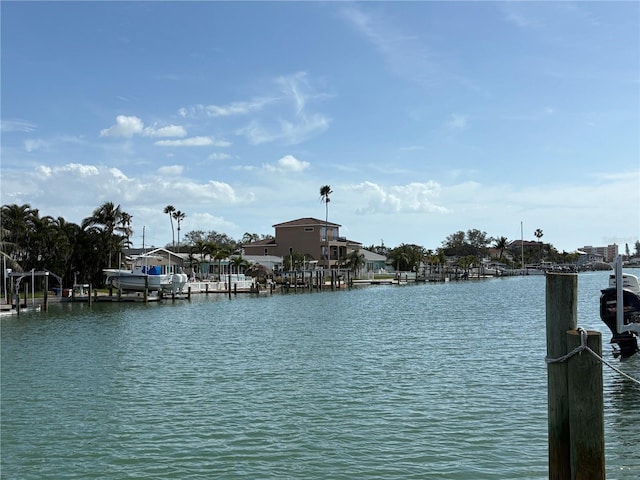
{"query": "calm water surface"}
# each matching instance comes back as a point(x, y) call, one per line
point(436, 381)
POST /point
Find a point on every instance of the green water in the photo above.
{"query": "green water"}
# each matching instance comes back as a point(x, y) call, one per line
point(436, 381)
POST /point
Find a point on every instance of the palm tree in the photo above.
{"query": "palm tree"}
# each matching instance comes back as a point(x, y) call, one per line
point(220, 254)
point(125, 226)
point(17, 227)
point(179, 216)
point(250, 238)
point(355, 261)
point(501, 244)
point(325, 191)
point(199, 247)
point(239, 262)
point(107, 218)
point(211, 249)
point(538, 234)
point(169, 210)
point(294, 261)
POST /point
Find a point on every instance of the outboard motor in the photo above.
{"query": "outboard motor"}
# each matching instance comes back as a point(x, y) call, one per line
point(627, 341)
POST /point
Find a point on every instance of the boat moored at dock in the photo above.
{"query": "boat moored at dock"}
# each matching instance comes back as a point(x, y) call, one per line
point(147, 273)
point(624, 323)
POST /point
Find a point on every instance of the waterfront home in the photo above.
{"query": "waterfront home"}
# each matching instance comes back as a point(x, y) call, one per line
point(306, 236)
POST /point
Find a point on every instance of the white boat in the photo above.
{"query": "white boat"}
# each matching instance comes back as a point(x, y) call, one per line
point(146, 273)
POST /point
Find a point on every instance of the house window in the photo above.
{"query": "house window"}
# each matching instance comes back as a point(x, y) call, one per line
point(308, 229)
point(290, 250)
point(266, 251)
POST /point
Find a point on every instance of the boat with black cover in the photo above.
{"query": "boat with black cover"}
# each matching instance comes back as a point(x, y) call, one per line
point(624, 323)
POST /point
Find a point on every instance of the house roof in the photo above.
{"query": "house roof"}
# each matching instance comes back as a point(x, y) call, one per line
point(306, 222)
point(525, 243)
point(372, 256)
point(258, 243)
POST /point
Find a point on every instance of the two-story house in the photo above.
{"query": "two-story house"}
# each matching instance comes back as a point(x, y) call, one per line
point(307, 236)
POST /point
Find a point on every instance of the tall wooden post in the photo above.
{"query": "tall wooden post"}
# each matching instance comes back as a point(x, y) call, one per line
point(586, 414)
point(17, 299)
point(45, 294)
point(561, 316)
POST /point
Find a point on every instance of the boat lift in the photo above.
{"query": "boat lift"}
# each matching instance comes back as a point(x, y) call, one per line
point(17, 277)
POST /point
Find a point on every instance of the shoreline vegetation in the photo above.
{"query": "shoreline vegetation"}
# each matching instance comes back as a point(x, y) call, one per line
point(79, 253)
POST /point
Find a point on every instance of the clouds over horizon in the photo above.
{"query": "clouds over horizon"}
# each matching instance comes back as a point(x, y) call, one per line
point(129, 126)
point(59, 191)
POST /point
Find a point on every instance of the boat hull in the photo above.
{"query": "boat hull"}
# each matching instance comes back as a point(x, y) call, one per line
point(137, 281)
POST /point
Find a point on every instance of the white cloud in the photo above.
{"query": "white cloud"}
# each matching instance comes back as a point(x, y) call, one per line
point(457, 121)
point(193, 142)
point(286, 131)
point(33, 145)
point(288, 163)
point(236, 108)
point(232, 109)
point(171, 170)
point(128, 126)
point(283, 114)
point(244, 168)
point(407, 55)
point(411, 198)
point(16, 126)
point(219, 156)
point(168, 131)
point(76, 169)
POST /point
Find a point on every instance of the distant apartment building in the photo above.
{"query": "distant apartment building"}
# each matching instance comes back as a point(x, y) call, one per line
point(608, 253)
point(306, 236)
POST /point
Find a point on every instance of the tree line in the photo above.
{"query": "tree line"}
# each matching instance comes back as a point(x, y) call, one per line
point(80, 252)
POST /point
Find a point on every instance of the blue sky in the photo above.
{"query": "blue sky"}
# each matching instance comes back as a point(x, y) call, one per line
point(426, 118)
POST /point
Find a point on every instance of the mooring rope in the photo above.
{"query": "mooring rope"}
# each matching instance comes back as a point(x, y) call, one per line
point(583, 346)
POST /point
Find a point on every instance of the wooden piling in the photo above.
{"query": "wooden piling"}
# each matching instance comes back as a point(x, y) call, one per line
point(561, 316)
point(586, 413)
point(18, 299)
point(45, 295)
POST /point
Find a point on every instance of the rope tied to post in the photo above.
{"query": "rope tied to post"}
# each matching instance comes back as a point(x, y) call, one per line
point(583, 347)
point(578, 349)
